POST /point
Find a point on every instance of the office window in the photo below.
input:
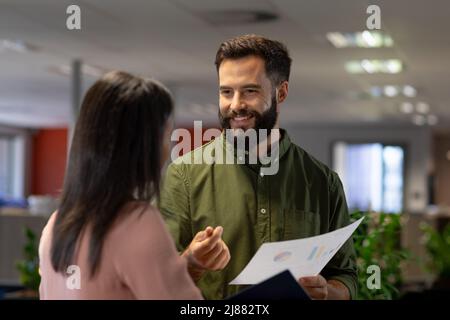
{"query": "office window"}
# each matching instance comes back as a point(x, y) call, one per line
point(6, 166)
point(372, 175)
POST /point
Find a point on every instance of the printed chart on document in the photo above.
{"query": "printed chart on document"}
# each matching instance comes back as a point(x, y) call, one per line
point(302, 257)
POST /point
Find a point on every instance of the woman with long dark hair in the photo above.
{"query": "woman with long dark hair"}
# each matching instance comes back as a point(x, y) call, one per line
point(106, 241)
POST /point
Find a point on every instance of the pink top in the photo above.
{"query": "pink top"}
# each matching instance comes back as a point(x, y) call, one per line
point(139, 261)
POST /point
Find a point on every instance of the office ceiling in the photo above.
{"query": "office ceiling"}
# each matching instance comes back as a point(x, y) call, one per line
point(175, 41)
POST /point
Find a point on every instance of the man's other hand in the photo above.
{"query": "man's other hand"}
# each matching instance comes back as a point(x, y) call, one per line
point(318, 288)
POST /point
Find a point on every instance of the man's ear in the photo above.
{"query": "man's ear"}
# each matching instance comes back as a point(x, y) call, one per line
point(282, 92)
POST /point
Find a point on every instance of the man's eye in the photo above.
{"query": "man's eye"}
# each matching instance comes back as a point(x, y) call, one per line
point(251, 91)
point(225, 92)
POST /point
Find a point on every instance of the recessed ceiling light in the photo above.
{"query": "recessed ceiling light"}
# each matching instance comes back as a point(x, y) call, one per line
point(419, 120)
point(407, 107)
point(337, 39)
point(364, 39)
point(374, 66)
point(388, 42)
point(391, 91)
point(369, 38)
point(393, 66)
point(422, 107)
point(368, 66)
point(409, 91)
point(354, 67)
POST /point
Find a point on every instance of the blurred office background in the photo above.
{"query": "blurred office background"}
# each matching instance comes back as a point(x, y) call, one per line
point(372, 104)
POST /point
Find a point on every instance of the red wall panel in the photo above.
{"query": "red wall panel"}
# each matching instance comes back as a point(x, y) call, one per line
point(49, 156)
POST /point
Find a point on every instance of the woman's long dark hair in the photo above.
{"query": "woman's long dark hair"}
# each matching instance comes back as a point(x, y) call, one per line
point(115, 158)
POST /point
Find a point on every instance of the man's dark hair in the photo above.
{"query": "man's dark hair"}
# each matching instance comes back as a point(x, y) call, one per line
point(274, 54)
point(115, 158)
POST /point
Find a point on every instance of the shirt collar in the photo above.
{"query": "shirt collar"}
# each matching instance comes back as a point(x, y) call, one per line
point(284, 145)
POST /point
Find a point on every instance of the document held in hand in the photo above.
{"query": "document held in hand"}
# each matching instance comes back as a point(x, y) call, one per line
point(302, 257)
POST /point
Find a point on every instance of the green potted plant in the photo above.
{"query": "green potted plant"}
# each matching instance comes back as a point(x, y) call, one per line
point(437, 244)
point(29, 267)
point(377, 242)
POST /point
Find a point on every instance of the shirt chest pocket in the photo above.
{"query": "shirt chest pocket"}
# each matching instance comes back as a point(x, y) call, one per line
point(300, 224)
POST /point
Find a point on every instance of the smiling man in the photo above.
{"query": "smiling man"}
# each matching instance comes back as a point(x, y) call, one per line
point(247, 98)
point(303, 198)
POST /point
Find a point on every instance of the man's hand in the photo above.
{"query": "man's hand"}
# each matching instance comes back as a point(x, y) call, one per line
point(319, 288)
point(207, 251)
point(316, 287)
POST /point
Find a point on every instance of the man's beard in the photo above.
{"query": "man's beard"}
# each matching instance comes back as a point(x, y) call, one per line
point(265, 120)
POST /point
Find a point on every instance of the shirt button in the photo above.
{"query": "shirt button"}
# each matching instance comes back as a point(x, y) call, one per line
point(263, 210)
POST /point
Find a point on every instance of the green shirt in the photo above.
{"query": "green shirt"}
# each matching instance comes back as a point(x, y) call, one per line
point(303, 199)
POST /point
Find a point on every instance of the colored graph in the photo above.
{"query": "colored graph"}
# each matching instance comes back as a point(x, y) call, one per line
point(283, 256)
point(319, 252)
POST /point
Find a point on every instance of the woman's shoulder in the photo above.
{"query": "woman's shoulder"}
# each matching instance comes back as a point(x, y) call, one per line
point(46, 236)
point(138, 212)
point(139, 231)
point(138, 218)
point(47, 230)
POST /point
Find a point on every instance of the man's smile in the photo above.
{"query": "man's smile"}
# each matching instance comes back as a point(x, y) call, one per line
point(241, 120)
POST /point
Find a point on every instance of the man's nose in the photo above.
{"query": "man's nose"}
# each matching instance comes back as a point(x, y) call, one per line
point(237, 103)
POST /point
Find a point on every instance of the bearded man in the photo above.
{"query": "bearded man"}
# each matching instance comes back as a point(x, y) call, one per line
point(303, 198)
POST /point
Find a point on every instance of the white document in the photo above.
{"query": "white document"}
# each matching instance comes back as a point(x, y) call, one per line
point(302, 257)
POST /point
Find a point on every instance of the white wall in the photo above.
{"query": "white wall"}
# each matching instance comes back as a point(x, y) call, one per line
point(318, 141)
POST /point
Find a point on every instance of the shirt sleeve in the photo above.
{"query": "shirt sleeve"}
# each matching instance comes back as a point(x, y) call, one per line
point(149, 265)
point(342, 266)
point(174, 205)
